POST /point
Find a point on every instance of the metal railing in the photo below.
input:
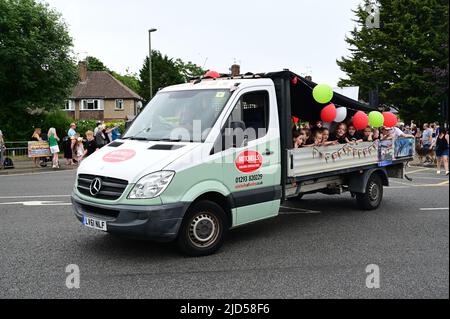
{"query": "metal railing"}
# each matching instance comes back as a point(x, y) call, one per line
point(16, 150)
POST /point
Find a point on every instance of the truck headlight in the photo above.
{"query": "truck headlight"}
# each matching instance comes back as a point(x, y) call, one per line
point(152, 185)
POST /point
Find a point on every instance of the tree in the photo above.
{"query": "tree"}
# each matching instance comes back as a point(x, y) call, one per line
point(189, 70)
point(94, 64)
point(406, 59)
point(165, 72)
point(130, 80)
point(37, 72)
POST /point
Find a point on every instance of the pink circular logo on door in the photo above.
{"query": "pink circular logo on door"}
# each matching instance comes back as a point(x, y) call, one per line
point(119, 156)
point(248, 161)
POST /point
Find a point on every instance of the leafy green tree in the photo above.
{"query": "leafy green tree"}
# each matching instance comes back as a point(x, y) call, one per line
point(406, 59)
point(36, 69)
point(189, 70)
point(94, 64)
point(130, 80)
point(165, 72)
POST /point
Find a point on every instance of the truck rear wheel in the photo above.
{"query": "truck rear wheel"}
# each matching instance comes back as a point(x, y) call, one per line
point(203, 229)
point(371, 199)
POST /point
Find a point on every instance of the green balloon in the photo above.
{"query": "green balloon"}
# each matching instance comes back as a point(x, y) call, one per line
point(376, 119)
point(323, 93)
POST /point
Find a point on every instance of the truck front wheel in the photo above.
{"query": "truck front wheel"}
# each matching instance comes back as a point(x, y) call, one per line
point(371, 199)
point(203, 229)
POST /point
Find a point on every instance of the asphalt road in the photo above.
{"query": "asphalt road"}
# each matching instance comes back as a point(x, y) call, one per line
point(318, 248)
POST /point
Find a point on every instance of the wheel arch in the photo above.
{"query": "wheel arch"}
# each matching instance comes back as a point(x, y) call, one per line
point(357, 182)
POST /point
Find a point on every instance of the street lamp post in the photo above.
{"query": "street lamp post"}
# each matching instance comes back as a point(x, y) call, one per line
point(150, 60)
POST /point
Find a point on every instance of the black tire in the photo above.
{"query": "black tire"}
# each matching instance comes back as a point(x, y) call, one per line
point(203, 229)
point(373, 196)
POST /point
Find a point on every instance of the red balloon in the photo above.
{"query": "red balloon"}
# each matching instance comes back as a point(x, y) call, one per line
point(328, 113)
point(360, 120)
point(390, 120)
point(212, 74)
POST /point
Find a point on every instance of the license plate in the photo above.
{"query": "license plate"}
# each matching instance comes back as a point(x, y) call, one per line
point(94, 223)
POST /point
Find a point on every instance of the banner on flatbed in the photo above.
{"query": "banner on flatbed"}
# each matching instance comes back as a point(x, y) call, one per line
point(404, 147)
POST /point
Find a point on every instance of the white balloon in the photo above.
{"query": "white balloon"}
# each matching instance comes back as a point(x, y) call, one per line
point(341, 114)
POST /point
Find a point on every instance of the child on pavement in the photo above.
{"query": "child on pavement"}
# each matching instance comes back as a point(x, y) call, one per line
point(79, 149)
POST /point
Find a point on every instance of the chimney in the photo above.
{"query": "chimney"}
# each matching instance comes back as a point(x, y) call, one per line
point(235, 70)
point(82, 69)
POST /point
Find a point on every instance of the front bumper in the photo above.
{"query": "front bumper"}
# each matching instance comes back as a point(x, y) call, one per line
point(159, 223)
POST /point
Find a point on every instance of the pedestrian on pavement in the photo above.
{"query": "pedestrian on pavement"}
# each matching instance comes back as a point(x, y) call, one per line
point(97, 127)
point(101, 138)
point(68, 151)
point(2, 148)
point(115, 133)
point(441, 144)
point(36, 137)
point(426, 141)
point(53, 140)
point(91, 145)
point(79, 149)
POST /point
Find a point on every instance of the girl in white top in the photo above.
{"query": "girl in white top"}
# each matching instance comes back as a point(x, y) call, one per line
point(79, 149)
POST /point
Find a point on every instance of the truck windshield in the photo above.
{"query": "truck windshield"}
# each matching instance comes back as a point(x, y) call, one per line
point(184, 116)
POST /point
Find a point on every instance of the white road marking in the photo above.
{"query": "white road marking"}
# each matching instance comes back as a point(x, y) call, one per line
point(407, 185)
point(41, 173)
point(33, 196)
point(434, 178)
point(297, 211)
point(38, 203)
point(431, 209)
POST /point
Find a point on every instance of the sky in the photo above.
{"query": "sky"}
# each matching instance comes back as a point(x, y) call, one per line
point(304, 36)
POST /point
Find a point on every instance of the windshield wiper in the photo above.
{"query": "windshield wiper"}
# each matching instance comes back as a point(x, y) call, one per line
point(139, 138)
point(136, 138)
point(170, 140)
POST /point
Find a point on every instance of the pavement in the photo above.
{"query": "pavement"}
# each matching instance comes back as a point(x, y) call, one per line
point(318, 247)
point(27, 167)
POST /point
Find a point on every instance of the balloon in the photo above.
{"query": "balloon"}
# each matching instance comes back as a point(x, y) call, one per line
point(341, 114)
point(323, 93)
point(328, 113)
point(376, 119)
point(212, 74)
point(390, 120)
point(360, 120)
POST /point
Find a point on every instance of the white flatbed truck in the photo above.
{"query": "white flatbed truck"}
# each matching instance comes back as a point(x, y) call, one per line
point(181, 173)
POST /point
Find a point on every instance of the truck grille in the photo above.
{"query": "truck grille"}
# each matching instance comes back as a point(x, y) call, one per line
point(105, 187)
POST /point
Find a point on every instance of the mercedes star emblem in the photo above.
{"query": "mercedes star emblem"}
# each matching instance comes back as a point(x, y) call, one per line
point(96, 186)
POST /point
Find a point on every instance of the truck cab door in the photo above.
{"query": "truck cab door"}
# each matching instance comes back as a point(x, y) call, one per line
point(251, 155)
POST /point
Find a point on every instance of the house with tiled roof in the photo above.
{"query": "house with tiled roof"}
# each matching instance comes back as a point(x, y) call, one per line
point(100, 96)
